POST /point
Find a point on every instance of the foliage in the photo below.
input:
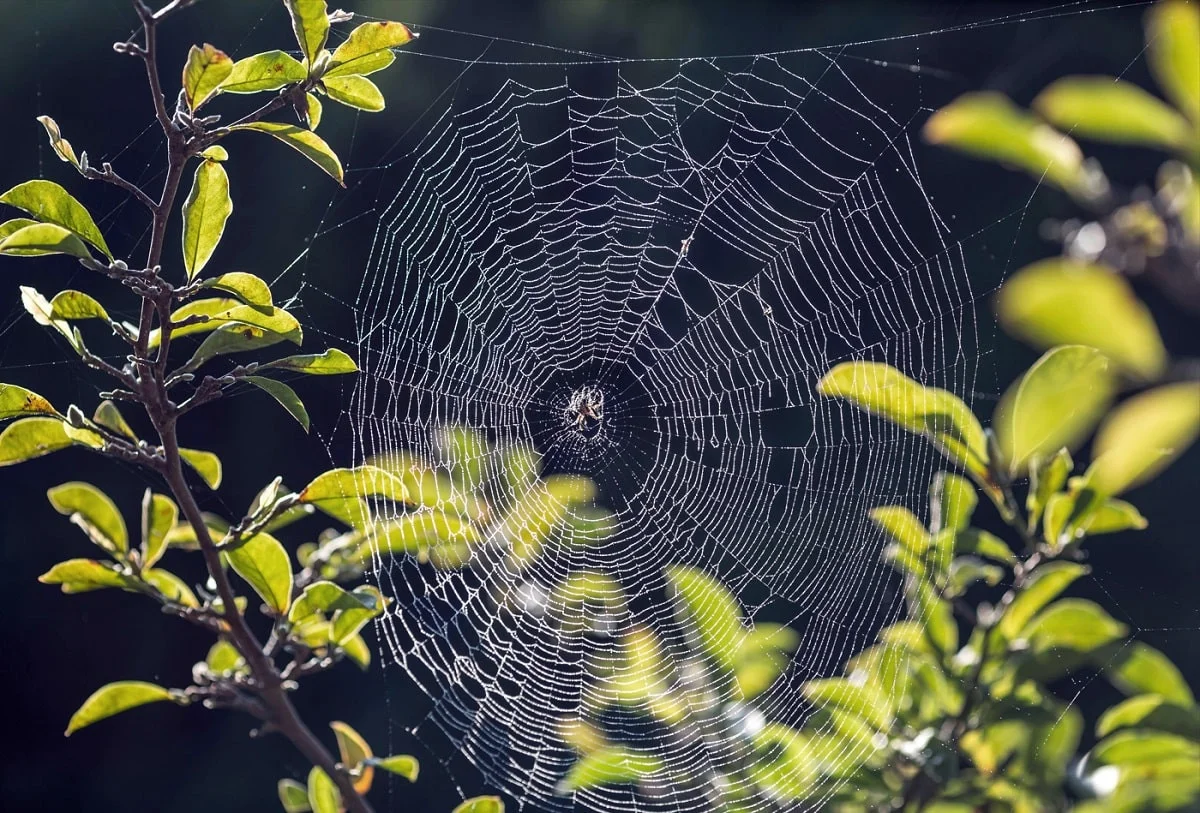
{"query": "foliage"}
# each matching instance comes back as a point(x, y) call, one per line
point(314, 621)
point(955, 707)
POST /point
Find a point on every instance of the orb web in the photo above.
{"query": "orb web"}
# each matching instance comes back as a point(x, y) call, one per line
point(641, 270)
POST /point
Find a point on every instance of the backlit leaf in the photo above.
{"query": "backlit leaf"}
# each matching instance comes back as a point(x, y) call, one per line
point(206, 464)
point(171, 586)
point(265, 565)
point(41, 239)
point(87, 505)
point(711, 612)
point(310, 23)
point(206, 68)
point(1154, 712)
point(114, 699)
point(1073, 624)
point(159, 515)
point(231, 338)
point(246, 287)
point(85, 575)
point(293, 796)
point(323, 794)
point(312, 111)
point(354, 751)
point(17, 401)
point(362, 481)
point(205, 211)
point(953, 498)
point(331, 362)
point(48, 202)
point(358, 92)
point(1143, 436)
point(1109, 109)
point(307, 143)
point(62, 148)
point(32, 437)
point(367, 49)
point(1141, 669)
point(221, 311)
point(76, 305)
point(1173, 45)
point(270, 70)
point(285, 395)
point(401, 765)
point(1043, 586)
point(612, 765)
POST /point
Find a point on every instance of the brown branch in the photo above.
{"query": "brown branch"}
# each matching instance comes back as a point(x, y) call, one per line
point(107, 174)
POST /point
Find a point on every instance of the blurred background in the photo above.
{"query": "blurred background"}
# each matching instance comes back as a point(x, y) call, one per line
point(58, 61)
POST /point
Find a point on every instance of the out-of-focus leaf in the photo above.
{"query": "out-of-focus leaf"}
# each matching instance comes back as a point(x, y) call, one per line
point(270, 70)
point(310, 23)
point(93, 511)
point(1141, 669)
point(49, 203)
point(1153, 712)
point(62, 148)
point(356, 649)
point(115, 698)
point(354, 752)
point(1113, 516)
point(368, 48)
point(984, 544)
point(1109, 109)
point(1179, 192)
point(421, 534)
point(248, 288)
point(1073, 624)
point(613, 765)
point(293, 796)
point(205, 211)
point(1044, 585)
point(331, 362)
point(1065, 301)
point(864, 702)
point(1143, 436)
point(305, 142)
point(939, 415)
point(1131, 747)
point(85, 575)
point(401, 765)
point(41, 239)
point(1173, 45)
point(224, 659)
point(902, 526)
point(323, 795)
point(988, 125)
point(285, 395)
point(206, 464)
point(711, 612)
point(17, 401)
point(481, 804)
point(206, 68)
point(159, 515)
point(76, 305)
point(1055, 404)
point(265, 565)
point(953, 498)
point(966, 570)
point(358, 92)
point(1047, 475)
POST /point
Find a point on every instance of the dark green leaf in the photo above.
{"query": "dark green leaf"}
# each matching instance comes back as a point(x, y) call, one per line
point(206, 68)
point(114, 699)
point(205, 211)
point(285, 395)
point(50, 203)
point(307, 143)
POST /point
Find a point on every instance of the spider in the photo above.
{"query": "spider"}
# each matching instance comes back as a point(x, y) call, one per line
point(586, 409)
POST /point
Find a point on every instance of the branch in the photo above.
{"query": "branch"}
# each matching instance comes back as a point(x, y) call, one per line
point(107, 174)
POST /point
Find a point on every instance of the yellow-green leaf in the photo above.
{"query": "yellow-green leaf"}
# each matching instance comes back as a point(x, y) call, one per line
point(1173, 43)
point(312, 111)
point(1109, 109)
point(170, 586)
point(368, 48)
point(262, 561)
point(323, 795)
point(108, 416)
point(305, 142)
point(206, 464)
point(1141, 669)
point(363, 481)
point(50, 203)
point(1064, 301)
point(114, 699)
point(1055, 404)
point(13, 226)
point(32, 437)
point(248, 288)
point(17, 401)
point(231, 338)
point(310, 23)
point(710, 612)
point(205, 211)
point(354, 752)
point(76, 305)
point(39, 308)
point(159, 514)
point(266, 71)
point(285, 395)
point(401, 765)
point(1043, 587)
point(1073, 624)
point(293, 796)
point(41, 239)
point(206, 68)
point(358, 92)
point(356, 649)
point(331, 362)
point(988, 125)
point(85, 575)
point(87, 506)
point(611, 765)
point(481, 804)
point(62, 148)
point(215, 153)
point(222, 311)
point(1143, 436)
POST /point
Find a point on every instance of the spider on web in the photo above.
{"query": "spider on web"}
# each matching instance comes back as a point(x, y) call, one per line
point(585, 410)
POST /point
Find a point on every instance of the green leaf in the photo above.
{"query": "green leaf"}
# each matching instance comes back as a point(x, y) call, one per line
point(223, 658)
point(1141, 669)
point(246, 287)
point(611, 765)
point(1178, 190)
point(864, 702)
point(307, 143)
point(358, 92)
point(170, 586)
point(85, 575)
point(1126, 747)
point(215, 153)
point(481, 804)
point(1055, 404)
point(939, 415)
point(206, 68)
point(331, 362)
point(205, 211)
point(159, 515)
point(363, 481)
point(285, 395)
point(1043, 586)
point(264, 564)
point(115, 698)
point(1109, 109)
point(1143, 436)
point(266, 71)
point(349, 620)
point(1113, 516)
point(13, 226)
point(1153, 712)
point(221, 311)
point(17, 401)
point(1173, 43)
point(92, 510)
point(323, 795)
point(312, 111)
point(32, 437)
point(293, 796)
point(985, 544)
point(39, 308)
point(711, 612)
point(1047, 475)
point(108, 416)
point(41, 239)
point(76, 305)
point(310, 23)
point(902, 526)
point(953, 501)
point(320, 596)
point(401, 765)
point(50, 203)
point(231, 338)
point(443, 538)
point(356, 649)
point(1073, 624)
point(355, 754)
point(988, 125)
point(368, 48)
point(206, 464)
point(1065, 301)
point(62, 148)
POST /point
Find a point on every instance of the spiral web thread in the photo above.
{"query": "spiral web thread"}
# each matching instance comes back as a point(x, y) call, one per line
point(698, 241)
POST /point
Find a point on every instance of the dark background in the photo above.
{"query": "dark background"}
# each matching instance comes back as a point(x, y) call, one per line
point(57, 61)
